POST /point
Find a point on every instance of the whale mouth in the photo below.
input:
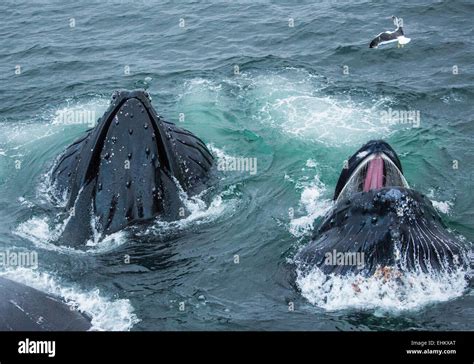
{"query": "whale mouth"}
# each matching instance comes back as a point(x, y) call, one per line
point(374, 177)
point(376, 171)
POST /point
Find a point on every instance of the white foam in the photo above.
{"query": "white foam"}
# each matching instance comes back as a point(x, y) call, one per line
point(38, 230)
point(99, 243)
point(314, 204)
point(199, 212)
point(47, 192)
point(200, 90)
point(410, 291)
point(292, 102)
point(442, 206)
point(43, 233)
point(80, 112)
point(323, 119)
point(24, 202)
point(220, 154)
point(107, 314)
point(311, 163)
point(35, 228)
point(296, 102)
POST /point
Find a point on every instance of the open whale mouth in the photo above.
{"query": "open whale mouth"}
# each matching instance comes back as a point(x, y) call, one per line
point(378, 218)
point(374, 172)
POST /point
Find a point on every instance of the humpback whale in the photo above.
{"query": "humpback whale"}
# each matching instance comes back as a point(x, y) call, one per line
point(131, 167)
point(379, 222)
point(389, 37)
point(27, 309)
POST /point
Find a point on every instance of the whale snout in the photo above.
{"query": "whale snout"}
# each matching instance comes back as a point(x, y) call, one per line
point(130, 114)
point(374, 166)
point(378, 146)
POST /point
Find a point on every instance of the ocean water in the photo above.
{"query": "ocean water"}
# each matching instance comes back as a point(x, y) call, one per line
point(292, 84)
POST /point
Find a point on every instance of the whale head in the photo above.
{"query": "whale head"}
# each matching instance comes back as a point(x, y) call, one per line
point(129, 168)
point(374, 166)
point(377, 217)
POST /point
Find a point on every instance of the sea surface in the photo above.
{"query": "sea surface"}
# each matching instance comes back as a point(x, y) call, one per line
point(292, 84)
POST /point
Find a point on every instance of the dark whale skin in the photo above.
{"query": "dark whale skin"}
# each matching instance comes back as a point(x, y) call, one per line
point(123, 171)
point(23, 308)
point(379, 223)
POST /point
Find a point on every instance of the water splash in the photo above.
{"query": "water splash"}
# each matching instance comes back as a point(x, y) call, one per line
point(312, 201)
point(44, 232)
point(386, 292)
point(296, 103)
point(442, 206)
point(199, 211)
point(107, 314)
point(80, 112)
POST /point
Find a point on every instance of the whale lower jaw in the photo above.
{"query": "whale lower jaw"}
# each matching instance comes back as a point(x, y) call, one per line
point(391, 227)
point(127, 169)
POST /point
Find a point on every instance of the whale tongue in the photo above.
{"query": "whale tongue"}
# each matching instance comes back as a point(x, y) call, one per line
point(374, 176)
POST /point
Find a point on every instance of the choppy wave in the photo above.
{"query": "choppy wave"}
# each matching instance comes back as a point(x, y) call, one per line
point(107, 314)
